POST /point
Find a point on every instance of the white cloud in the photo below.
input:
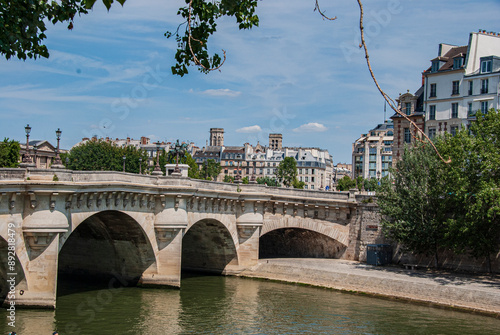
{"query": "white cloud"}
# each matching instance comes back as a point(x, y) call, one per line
point(310, 128)
point(251, 129)
point(222, 92)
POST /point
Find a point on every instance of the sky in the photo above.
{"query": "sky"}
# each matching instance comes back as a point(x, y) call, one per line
point(296, 74)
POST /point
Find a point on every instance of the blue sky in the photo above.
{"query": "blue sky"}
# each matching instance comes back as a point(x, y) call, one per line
point(295, 74)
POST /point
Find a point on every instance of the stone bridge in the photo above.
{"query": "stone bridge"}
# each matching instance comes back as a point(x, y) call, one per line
point(138, 229)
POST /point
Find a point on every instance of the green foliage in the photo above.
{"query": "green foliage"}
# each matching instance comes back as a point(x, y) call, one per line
point(345, 183)
point(286, 172)
point(104, 156)
point(245, 180)
point(298, 184)
point(204, 15)
point(228, 179)
point(414, 203)
point(22, 27)
point(473, 186)
point(210, 170)
point(435, 205)
point(9, 153)
point(268, 181)
point(55, 178)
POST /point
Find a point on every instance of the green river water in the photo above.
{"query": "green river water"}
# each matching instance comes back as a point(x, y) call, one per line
point(229, 305)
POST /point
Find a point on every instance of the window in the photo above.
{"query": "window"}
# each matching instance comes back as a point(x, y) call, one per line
point(458, 62)
point(307, 179)
point(432, 133)
point(484, 86)
point(433, 91)
point(484, 107)
point(407, 108)
point(373, 158)
point(453, 130)
point(432, 112)
point(486, 66)
point(373, 150)
point(390, 133)
point(471, 87)
point(373, 166)
point(407, 135)
point(435, 66)
point(312, 171)
point(455, 87)
point(312, 179)
point(454, 110)
point(469, 109)
point(312, 187)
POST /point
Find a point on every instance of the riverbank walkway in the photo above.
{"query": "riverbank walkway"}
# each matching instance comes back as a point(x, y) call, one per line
point(479, 293)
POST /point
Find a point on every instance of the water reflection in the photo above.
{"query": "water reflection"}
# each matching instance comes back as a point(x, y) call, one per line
point(226, 305)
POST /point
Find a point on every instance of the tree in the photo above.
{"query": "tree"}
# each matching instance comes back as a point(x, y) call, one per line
point(413, 208)
point(104, 156)
point(228, 179)
point(473, 186)
point(22, 27)
point(345, 183)
point(268, 181)
point(245, 180)
point(287, 171)
point(298, 184)
point(210, 170)
point(9, 153)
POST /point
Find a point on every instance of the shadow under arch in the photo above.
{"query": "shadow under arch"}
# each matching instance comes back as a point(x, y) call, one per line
point(107, 246)
point(208, 247)
point(5, 263)
point(299, 243)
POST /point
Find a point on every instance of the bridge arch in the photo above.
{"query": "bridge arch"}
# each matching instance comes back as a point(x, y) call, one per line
point(209, 246)
point(291, 237)
point(104, 245)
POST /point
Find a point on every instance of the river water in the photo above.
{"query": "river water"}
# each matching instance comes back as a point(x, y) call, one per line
point(229, 305)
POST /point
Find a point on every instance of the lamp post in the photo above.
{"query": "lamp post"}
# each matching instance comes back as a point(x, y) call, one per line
point(124, 158)
point(57, 161)
point(253, 180)
point(237, 178)
point(378, 175)
point(140, 165)
point(26, 160)
point(157, 171)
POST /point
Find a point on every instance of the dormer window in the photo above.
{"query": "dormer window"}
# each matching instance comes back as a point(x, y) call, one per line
point(486, 66)
point(458, 62)
point(435, 66)
point(408, 108)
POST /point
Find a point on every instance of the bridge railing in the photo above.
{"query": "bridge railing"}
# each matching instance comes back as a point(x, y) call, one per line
point(60, 175)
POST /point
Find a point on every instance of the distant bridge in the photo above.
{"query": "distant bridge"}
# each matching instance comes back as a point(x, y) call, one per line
point(144, 229)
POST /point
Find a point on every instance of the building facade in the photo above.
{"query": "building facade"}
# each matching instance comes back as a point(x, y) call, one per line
point(405, 133)
point(372, 152)
point(460, 81)
point(315, 166)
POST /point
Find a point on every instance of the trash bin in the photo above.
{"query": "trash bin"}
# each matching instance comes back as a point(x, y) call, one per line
point(378, 254)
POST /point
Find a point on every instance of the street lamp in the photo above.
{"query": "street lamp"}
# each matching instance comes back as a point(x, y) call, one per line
point(124, 158)
point(253, 179)
point(27, 161)
point(57, 162)
point(140, 165)
point(378, 175)
point(157, 171)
